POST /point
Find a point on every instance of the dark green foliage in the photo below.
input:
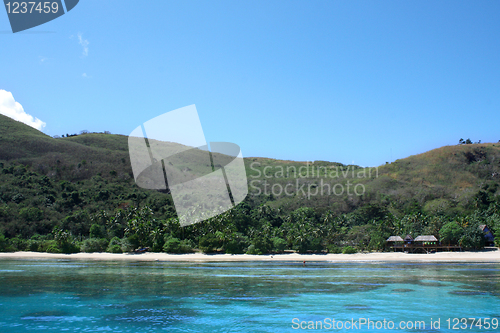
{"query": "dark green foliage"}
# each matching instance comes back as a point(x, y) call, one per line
point(279, 244)
point(472, 237)
point(96, 231)
point(142, 224)
point(377, 242)
point(65, 242)
point(53, 248)
point(209, 243)
point(33, 245)
point(31, 214)
point(174, 245)
point(134, 241)
point(38, 243)
point(187, 246)
point(114, 249)
point(17, 244)
point(332, 248)
point(59, 195)
point(126, 246)
point(115, 241)
point(17, 198)
point(360, 236)
point(260, 245)
point(349, 250)
point(252, 250)
point(4, 245)
point(94, 245)
point(371, 212)
point(450, 233)
point(43, 246)
point(70, 248)
point(237, 243)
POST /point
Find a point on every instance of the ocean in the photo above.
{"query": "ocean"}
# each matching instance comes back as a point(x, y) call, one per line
point(124, 296)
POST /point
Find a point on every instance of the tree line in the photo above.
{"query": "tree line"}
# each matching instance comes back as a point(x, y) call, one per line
point(109, 213)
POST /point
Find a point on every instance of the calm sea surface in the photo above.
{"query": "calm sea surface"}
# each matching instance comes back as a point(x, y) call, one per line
point(84, 296)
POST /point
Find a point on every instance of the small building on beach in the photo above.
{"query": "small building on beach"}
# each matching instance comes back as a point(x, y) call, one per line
point(426, 240)
point(488, 235)
point(394, 239)
point(421, 244)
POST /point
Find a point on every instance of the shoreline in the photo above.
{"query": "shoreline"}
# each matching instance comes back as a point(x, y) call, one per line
point(492, 256)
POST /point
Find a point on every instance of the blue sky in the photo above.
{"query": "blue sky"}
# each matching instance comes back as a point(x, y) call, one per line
point(345, 81)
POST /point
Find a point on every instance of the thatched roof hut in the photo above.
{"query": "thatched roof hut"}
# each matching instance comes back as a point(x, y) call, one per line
point(395, 239)
point(426, 238)
point(408, 238)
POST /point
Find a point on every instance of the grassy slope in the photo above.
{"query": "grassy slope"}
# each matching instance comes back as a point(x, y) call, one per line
point(444, 178)
point(73, 158)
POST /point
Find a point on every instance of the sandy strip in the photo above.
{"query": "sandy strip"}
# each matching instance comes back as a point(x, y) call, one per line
point(480, 256)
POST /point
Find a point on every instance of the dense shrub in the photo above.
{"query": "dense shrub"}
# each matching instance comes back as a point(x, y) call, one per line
point(51, 247)
point(377, 242)
point(349, 250)
point(236, 245)
point(115, 245)
point(134, 242)
point(114, 249)
point(332, 248)
point(450, 233)
point(279, 244)
point(44, 245)
point(252, 250)
point(174, 245)
point(31, 213)
point(96, 231)
point(17, 244)
point(261, 245)
point(472, 238)
point(33, 245)
point(3, 244)
point(94, 245)
point(316, 244)
point(70, 248)
point(126, 246)
point(115, 241)
point(209, 243)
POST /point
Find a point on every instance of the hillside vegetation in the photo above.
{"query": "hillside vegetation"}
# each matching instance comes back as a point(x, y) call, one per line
point(78, 193)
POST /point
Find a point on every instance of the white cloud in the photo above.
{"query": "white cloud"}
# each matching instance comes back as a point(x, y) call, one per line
point(85, 75)
point(84, 43)
point(12, 109)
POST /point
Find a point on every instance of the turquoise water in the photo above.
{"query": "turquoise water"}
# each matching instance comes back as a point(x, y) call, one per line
point(84, 296)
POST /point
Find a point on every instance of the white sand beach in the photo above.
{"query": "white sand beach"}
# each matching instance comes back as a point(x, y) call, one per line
point(479, 256)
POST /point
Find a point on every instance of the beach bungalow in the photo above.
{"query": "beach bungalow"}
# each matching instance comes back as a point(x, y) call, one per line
point(408, 239)
point(395, 242)
point(426, 240)
point(395, 239)
point(421, 244)
point(425, 243)
point(488, 235)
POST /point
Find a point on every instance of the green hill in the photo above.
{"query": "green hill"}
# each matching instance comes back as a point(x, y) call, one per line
point(71, 185)
point(444, 180)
